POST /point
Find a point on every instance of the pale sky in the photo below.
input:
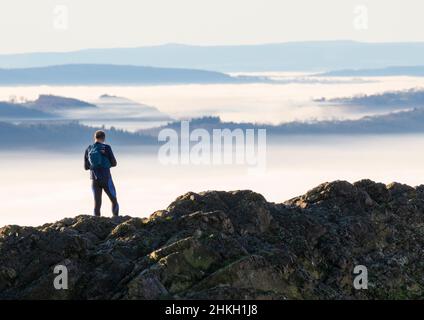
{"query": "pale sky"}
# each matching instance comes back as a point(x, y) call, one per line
point(63, 25)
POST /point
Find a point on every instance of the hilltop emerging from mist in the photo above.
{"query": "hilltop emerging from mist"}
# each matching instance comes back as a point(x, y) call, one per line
point(396, 71)
point(413, 98)
point(106, 107)
point(102, 74)
point(410, 121)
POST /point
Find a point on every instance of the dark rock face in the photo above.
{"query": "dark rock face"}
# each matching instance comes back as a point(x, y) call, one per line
point(230, 245)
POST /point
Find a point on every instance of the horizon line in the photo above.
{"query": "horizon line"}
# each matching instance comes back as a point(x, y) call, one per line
point(208, 46)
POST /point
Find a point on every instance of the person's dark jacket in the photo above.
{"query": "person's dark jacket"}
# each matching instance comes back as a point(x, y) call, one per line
point(100, 173)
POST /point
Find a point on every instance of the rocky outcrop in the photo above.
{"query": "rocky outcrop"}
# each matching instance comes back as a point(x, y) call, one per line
point(230, 245)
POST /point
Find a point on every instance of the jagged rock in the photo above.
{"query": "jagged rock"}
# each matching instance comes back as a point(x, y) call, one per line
point(251, 272)
point(230, 245)
point(145, 286)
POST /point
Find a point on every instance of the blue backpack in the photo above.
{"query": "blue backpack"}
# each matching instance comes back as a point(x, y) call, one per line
point(96, 158)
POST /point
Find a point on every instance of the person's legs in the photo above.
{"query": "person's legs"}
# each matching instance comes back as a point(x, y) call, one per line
point(97, 192)
point(111, 192)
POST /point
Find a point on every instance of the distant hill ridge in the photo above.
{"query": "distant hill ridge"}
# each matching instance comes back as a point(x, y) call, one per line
point(290, 56)
point(58, 107)
point(10, 110)
point(410, 121)
point(411, 71)
point(103, 74)
point(45, 135)
point(44, 107)
point(52, 103)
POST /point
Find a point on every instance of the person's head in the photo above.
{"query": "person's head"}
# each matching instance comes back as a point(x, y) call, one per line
point(100, 136)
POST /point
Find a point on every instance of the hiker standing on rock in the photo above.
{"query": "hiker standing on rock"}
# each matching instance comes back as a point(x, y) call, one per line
point(99, 159)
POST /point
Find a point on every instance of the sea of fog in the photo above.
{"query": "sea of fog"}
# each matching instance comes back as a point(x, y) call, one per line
point(40, 187)
point(264, 103)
